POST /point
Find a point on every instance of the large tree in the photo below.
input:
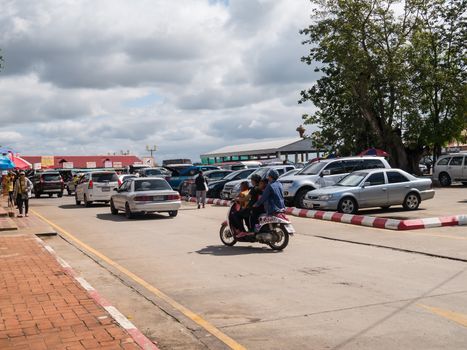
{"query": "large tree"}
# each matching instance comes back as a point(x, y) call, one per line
point(373, 57)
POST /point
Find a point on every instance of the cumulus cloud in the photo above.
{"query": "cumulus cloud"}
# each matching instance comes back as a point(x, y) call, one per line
point(190, 75)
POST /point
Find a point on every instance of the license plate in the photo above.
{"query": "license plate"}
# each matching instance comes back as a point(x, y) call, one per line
point(158, 198)
point(105, 189)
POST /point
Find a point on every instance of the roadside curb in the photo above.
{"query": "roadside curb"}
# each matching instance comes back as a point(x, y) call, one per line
point(363, 220)
point(134, 332)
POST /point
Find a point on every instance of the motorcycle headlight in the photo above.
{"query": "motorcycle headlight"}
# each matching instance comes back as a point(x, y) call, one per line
point(325, 197)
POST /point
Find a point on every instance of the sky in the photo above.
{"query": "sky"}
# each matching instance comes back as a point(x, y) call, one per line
point(189, 76)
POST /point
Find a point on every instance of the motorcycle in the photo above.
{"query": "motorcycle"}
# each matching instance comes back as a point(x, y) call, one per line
point(271, 230)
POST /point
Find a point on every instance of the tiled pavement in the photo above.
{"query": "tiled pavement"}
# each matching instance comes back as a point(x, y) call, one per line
point(41, 307)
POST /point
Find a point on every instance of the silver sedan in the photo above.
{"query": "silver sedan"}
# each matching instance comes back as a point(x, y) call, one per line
point(372, 188)
point(145, 195)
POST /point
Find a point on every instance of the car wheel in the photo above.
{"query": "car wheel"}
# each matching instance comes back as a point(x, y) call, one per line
point(300, 196)
point(444, 179)
point(173, 213)
point(347, 205)
point(86, 202)
point(128, 213)
point(411, 201)
point(113, 210)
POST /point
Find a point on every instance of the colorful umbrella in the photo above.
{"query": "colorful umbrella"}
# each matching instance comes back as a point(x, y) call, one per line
point(374, 152)
point(6, 163)
point(20, 163)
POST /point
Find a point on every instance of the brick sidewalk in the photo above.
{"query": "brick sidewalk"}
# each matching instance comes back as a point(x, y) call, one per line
point(43, 308)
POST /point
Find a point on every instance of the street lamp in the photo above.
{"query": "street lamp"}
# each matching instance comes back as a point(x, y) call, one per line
point(151, 149)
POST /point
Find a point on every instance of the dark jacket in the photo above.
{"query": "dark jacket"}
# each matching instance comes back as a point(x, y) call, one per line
point(272, 198)
point(200, 183)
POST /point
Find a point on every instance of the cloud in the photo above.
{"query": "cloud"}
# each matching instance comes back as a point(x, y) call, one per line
point(189, 75)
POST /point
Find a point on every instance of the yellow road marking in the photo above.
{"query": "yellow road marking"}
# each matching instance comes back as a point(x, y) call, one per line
point(450, 315)
point(187, 312)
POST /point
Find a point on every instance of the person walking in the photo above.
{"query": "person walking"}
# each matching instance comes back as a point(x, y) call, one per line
point(201, 184)
point(23, 190)
point(10, 188)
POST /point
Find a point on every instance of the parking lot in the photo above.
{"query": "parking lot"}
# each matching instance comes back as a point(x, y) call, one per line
point(336, 286)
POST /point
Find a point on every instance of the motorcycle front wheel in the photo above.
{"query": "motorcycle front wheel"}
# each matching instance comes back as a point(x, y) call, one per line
point(283, 240)
point(227, 236)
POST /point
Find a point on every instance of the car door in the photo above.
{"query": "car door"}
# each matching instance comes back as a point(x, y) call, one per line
point(374, 192)
point(333, 173)
point(81, 186)
point(121, 195)
point(455, 167)
point(398, 187)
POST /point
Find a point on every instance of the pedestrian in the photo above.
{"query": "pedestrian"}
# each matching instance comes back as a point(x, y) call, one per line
point(10, 187)
point(201, 189)
point(22, 192)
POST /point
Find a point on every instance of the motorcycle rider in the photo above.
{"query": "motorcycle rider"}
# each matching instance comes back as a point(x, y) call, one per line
point(273, 196)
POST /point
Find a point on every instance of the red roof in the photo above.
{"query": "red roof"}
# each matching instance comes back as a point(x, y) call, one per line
point(81, 161)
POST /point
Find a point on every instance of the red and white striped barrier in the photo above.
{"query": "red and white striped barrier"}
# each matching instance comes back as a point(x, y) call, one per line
point(134, 332)
point(363, 220)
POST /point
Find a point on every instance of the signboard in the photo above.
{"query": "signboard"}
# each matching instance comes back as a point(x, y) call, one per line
point(118, 165)
point(37, 166)
point(148, 161)
point(107, 164)
point(91, 165)
point(47, 161)
point(67, 165)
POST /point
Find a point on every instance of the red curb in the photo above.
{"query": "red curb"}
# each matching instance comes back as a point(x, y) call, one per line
point(380, 223)
point(449, 221)
point(377, 222)
point(135, 333)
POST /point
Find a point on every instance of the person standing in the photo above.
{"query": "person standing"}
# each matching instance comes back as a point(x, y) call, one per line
point(10, 188)
point(23, 190)
point(201, 184)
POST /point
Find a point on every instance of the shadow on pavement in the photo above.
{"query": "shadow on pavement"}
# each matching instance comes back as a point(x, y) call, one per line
point(222, 250)
point(121, 217)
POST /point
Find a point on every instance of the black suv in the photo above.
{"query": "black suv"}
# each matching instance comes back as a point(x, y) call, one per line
point(48, 183)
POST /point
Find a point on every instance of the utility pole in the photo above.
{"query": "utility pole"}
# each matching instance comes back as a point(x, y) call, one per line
point(151, 149)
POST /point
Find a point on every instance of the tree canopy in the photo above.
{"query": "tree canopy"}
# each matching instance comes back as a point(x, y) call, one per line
point(393, 75)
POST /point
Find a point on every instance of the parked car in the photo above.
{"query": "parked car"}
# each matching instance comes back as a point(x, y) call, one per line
point(188, 186)
point(216, 186)
point(291, 172)
point(234, 166)
point(49, 183)
point(323, 173)
point(232, 189)
point(145, 196)
point(150, 172)
point(182, 172)
point(450, 168)
point(372, 188)
point(96, 186)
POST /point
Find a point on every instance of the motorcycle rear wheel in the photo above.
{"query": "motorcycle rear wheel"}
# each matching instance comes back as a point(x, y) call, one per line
point(283, 242)
point(227, 236)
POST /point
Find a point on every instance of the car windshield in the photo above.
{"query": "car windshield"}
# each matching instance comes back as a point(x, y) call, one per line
point(103, 177)
point(151, 185)
point(261, 172)
point(352, 180)
point(312, 169)
point(51, 177)
point(153, 172)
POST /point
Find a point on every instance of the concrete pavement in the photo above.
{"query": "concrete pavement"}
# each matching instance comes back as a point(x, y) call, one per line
point(317, 294)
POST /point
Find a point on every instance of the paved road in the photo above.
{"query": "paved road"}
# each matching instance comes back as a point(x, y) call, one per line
point(320, 293)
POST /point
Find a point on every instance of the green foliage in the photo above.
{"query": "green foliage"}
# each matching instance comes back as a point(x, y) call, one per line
point(381, 85)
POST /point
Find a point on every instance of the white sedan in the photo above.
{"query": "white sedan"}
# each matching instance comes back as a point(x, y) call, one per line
point(144, 196)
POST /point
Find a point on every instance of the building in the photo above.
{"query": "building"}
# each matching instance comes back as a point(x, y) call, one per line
point(82, 162)
point(295, 150)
